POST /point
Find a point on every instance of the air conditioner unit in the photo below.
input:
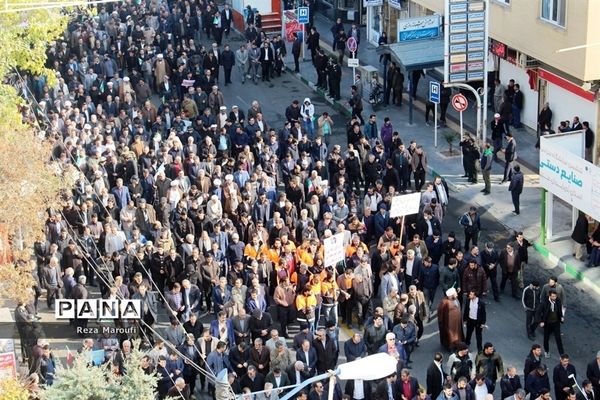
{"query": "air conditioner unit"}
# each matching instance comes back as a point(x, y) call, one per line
point(527, 62)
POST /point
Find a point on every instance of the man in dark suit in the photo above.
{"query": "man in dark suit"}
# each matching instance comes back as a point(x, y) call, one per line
point(509, 156)
point(550, 317)
point(297, 373)
point(238, 358)
point(325, 350)
point(174, 299)
point(564, 378)
point(221, 324)
point(241, 327)
point(387, 389)
point(278, 378)
point(510, 382)
point(436, 377)
point(516, 188)
point(318, 392)
point(192, 298)
point(266, 61)
point(308, 355)
point(253, 380)
point(226, 18)
point(193, 326)
point(475, 317)
point(149, 308)
point(593, 373)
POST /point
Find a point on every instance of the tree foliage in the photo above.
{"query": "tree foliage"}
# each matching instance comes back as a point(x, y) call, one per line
point(85, 382)
point(29, 183)
point(12, 389)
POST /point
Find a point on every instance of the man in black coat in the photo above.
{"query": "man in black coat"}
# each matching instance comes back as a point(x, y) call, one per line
point(253, 380)
point(516, 188)
point(226, 18)
point(296, 48)
point(325, 349)
point(436, 377)
point(561, 376)
point(267, 58)
point(550, 317)
point(593, 373)
point(475, 317)
point(580, 235)
point(227, 60)
point(509, 157)
point(387, 389)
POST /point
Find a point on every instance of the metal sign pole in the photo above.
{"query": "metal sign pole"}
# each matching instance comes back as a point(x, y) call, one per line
point(353, 68)
point(461, 133)
point(435, 125)
point(486, 54)
point(303, 42)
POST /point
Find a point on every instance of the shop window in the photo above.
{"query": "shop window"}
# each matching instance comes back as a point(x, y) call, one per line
point(349, 4)
point(554, 11)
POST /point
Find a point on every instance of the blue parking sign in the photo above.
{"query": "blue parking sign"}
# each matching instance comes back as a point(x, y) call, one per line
point(303, 14)
point(434, 92)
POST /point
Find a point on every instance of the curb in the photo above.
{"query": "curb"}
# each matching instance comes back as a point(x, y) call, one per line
point(571, 270)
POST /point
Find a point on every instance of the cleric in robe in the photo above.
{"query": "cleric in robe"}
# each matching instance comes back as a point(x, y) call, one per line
point(450, 320)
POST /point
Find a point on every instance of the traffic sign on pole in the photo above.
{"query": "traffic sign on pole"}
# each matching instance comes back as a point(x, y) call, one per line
point(459, 102)
point(303, 15)
point(434, 92)
point(351, 44)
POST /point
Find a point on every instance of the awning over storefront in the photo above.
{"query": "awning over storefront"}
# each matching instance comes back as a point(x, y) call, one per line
point(413, 55)
point(416, 54)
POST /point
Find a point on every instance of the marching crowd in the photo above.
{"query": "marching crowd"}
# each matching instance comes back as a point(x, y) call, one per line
point(195, 207)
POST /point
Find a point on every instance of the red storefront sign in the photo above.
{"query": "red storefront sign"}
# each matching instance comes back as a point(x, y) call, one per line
point(565, 84)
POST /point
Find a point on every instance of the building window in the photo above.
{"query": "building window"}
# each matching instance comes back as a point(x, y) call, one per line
point(554, 11)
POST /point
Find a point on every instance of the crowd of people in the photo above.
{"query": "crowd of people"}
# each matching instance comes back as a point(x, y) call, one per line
point(196, 208)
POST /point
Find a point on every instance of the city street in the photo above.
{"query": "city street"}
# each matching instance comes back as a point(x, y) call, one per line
point(506, 318)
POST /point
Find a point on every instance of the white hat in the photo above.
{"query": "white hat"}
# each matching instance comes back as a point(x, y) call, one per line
point(217, 182)
point(234, 107)
point(451, 292)
point(159, 55)
point(229, 177)
point(222, 108)
point(110, 83)
point(213, 126)
point(67, 103)
point(390, 335)
point(496, 115)
point(126, 79)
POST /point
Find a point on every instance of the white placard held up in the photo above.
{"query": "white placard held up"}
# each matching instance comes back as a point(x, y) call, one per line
point(405, 205)
point(334, 251)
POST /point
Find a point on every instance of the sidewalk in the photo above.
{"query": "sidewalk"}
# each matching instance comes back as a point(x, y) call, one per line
point(499, 203)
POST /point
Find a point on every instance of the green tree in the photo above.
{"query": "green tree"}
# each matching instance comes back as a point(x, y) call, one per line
point(29, 181)
point(85, 382)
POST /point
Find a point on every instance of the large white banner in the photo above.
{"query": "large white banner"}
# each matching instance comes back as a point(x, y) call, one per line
point(569, 176)
point(334, 251)
point(405, 205)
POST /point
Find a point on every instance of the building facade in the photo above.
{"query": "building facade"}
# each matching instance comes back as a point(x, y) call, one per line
point(531, 42)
